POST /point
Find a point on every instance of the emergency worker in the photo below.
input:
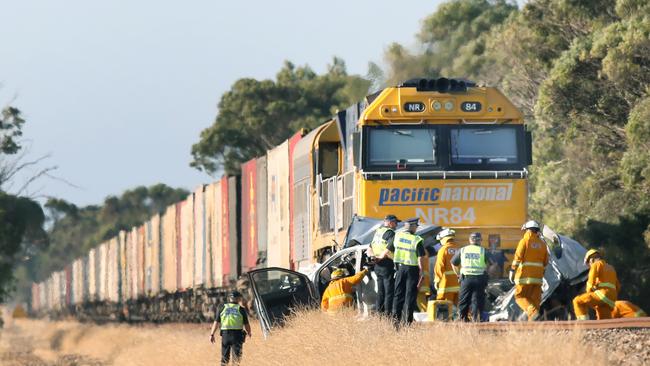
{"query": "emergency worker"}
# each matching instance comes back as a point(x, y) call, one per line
point(446, 280)
point(233, 319)
point(473, 261)
point(527, 270)
point(340, 290)
point(602, 289)
point(424, 290)
point(382, 249)
point(625, 309)
point(409, 261)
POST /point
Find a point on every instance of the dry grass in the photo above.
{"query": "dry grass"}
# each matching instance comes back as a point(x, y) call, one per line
point(312, 338)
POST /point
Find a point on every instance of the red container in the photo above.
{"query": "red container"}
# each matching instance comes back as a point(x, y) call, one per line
point(249, 233)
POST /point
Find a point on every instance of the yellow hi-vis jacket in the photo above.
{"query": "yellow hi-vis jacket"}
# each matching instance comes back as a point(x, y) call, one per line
point(531, 257)
point(603, 282)
point(445, 277)
point(339, 292)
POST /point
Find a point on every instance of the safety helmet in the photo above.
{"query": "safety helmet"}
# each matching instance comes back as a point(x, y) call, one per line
point(338, 273)
point(532, 224)
point(445, 233)
point(590, 253)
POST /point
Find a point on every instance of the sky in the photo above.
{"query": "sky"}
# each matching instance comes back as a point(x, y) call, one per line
point(116, 92)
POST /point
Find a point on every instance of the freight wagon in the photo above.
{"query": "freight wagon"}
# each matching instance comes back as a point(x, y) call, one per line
point(447, 151)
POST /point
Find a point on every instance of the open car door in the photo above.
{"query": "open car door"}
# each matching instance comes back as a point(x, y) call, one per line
point(277, 292)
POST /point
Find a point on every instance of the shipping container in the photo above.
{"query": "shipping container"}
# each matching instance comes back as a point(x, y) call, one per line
point(36, 304)
point(262, 204)
point(168, 240)
point(293, 140)
point(153, 256)
point(77, 281)
point(217, 232)
point(42, 294)
point(68, 285)
point(249, 246)
point(97, 275)
point(179, 244)
point(212, 215)
point(234, 226)
point(113, 273)
point(140, 263)
point(278, 206)
point(200, 242)
point(92, 273)
point(103, 272)
point(132, 263)
point(123, 253)
point(187, 242)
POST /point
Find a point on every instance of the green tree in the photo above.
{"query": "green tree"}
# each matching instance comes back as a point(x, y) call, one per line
point(255, 116)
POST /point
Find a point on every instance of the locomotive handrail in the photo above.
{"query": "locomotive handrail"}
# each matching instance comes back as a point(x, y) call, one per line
point(444, 174)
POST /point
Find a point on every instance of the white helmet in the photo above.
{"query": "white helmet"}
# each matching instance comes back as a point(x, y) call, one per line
point(445, 233)
point(532, 224)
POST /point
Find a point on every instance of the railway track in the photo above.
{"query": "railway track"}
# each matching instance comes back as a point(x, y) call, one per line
point(622, 323)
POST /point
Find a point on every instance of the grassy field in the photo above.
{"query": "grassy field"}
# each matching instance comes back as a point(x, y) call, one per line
point(311, 338)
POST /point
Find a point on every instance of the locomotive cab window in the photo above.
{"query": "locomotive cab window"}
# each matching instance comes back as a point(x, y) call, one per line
point(483, 146)
point(401, 147)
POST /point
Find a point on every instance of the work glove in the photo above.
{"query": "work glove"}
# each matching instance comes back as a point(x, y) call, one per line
point(368, 267)
point(511, 276)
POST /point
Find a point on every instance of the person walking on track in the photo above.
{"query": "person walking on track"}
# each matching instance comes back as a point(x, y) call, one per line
point(232, 319)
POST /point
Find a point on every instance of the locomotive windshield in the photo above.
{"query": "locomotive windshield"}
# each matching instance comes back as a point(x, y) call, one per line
point(403, 146)
point(476, 146)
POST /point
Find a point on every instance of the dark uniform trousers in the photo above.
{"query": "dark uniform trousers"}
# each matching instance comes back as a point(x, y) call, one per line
point(231, 340)
point(406, 292)
point(385, 290)
point(472, 292)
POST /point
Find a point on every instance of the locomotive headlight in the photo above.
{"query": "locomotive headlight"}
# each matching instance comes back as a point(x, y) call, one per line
point(436, 105)
point(449, 106)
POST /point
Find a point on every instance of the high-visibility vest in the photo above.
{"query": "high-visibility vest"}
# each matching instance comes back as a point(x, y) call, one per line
point(472, 260)
point(231, 318)
point(378, 244)
point(405, 248)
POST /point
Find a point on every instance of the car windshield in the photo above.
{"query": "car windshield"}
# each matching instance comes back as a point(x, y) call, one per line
point(474, 146)
point(403, 145)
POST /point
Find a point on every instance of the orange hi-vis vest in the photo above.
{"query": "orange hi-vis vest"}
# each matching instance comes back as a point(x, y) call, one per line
point(445, 277)
point(531, 258)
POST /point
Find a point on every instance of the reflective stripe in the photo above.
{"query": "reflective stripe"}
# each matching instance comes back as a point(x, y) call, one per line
point(582, 317)
point(528, 281)
point(450, 273)
point(515, 263)
point(607, 284)
point(604, 298)
point(533, 264)
point(342, 296)
point(444, 290)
